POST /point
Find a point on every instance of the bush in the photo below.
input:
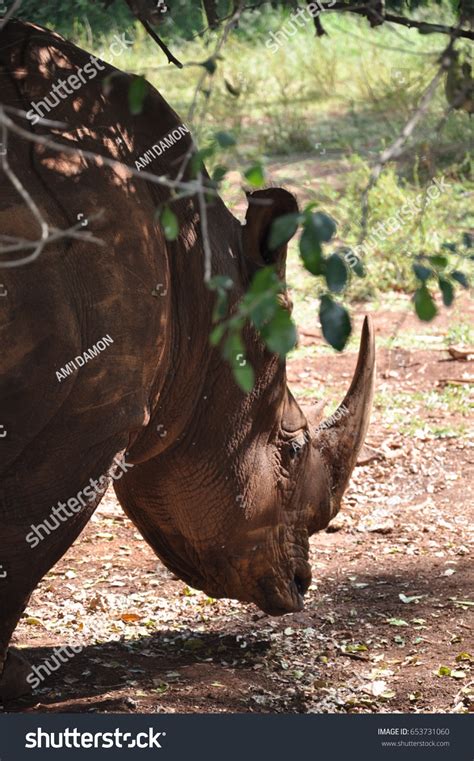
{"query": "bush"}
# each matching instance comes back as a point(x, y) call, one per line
point(59, 15)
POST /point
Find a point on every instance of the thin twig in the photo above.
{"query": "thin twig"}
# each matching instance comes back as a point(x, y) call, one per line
point(205, 234)
point(21, 190)
point(74, 232)
point(171, 58)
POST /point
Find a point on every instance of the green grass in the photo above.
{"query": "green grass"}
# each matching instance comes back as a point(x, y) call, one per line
point(407, 410)
point(460, 333)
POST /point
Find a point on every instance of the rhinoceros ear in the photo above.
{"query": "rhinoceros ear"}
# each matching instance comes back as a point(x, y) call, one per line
point(264, 207)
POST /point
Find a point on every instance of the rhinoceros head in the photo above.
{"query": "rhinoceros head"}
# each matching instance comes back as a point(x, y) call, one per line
point(230, 506)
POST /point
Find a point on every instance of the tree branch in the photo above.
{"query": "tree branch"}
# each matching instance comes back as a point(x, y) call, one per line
point(189, 188)
point(425, 27)
point(211, 13)
point(171, 58)
point(428, 28)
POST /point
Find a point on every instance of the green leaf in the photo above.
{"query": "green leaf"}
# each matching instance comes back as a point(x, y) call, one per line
point(263, 309)
point(311, 251)
point(468, 240)
point(169, 223)
point(460, 278)
point(336, 273)
point(449, 246)
point(438, 260)
point(422, 272)
point(136, 95)
point(424, 304)
point(220, 306)
point(264, 281)
point(443, 671)
point(217, 334)
point(219, 173)
point(447, 291)
point(280, 333)
point(283, 228)
point(198, 159)
point(335, 322)
point(323, 225)
point(225, 139)
point(255, 176)
point(261, 301)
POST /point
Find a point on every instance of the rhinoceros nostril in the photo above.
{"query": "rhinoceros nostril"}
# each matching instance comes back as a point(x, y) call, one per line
point(301, 584)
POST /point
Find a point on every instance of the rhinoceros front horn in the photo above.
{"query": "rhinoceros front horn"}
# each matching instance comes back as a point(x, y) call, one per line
point(339, 438)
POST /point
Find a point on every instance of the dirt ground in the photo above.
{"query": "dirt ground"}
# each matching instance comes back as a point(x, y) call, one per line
point(388, 617)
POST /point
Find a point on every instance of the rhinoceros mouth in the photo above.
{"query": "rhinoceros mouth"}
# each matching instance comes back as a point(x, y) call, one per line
point(302, 583)
point(279, 598)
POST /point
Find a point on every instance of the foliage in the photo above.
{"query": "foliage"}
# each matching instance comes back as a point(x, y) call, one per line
point(182, 18)
point(439, 268)
point(59, 14)
point(261, 308)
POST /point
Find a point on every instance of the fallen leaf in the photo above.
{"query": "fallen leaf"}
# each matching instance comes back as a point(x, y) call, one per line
point(408, 600)
point(397, 622)
point(32, 621)
point(129, 617)
point(466, 603)
point(355, 648)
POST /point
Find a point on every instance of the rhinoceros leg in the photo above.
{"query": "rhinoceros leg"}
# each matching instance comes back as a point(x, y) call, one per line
point(26, 568)
point(25, 562)
point(14, 668)
point(13, 682)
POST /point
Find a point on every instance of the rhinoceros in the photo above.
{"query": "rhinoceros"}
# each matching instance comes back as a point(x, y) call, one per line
point(107, 366)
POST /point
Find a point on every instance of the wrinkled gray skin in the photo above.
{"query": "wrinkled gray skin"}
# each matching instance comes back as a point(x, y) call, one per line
point(218, 487)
